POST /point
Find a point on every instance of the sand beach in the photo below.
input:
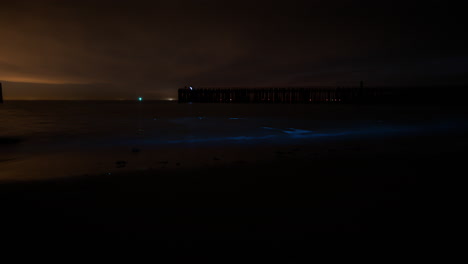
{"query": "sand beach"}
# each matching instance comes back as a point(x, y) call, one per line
point(263, 179)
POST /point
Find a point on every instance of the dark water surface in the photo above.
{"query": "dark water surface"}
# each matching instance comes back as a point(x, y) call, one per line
point(33, 133)
point(268, 175)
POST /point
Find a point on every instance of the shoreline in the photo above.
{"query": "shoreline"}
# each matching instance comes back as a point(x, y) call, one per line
point(86, 158)
point(375, 190)
point(393, 184)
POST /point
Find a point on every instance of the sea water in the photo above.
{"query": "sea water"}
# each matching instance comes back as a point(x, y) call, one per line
point(44, 138)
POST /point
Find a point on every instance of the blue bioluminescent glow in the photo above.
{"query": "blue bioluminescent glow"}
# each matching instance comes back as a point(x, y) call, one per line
point(140, 98)
point(294, 131)
point(279, 136)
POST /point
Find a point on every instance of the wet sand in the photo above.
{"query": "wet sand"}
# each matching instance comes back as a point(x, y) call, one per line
point(398, 181)
point(391, 187)
point(9, 140)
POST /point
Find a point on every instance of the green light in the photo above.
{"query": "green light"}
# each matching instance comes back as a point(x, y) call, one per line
point(140, 98)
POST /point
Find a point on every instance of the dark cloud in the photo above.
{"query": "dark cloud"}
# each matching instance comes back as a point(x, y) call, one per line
point(121, 49)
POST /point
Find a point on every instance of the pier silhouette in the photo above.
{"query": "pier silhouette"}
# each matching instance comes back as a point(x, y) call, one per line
point(323, 95)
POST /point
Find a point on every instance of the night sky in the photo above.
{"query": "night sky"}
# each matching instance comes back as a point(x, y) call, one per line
point(125, 49)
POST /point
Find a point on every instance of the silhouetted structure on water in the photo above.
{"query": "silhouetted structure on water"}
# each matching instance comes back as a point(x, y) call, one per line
point(315, 95)
point(1, 94)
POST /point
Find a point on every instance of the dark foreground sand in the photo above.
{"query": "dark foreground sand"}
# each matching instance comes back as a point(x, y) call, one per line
point(397, 187)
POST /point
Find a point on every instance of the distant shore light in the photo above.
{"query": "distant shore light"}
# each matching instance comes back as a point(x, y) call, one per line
point(140, 98)
point(191, 88)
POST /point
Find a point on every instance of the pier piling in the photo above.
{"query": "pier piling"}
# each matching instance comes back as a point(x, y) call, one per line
point(322, 95)
point(1, 94)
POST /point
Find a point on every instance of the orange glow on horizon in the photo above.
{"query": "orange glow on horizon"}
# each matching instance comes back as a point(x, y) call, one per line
point(35, 80)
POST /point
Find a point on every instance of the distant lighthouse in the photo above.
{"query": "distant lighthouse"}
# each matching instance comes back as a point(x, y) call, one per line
point(1, 94)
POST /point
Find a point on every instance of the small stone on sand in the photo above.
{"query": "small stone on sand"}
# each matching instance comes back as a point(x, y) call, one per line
point(120, 163)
